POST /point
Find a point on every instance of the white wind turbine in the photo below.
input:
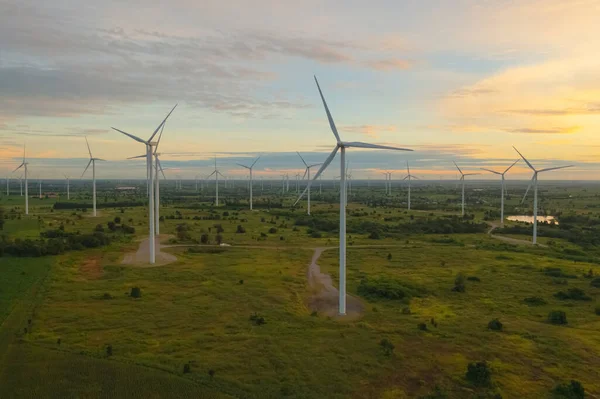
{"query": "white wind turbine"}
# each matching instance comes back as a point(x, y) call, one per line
point(93, 163)
point(68, 192)
point(503, 190)
point(250, 169)
point(7, 186)
point(534, 181)
point(409, 177)
point(149, 152)
point(216, 172)
point(341, 145)
point(24, 166)
point(462, 179)
point(307, 175)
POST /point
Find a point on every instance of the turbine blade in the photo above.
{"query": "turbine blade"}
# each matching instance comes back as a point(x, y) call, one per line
point(305, 172)
point(255, 161)
point(514, 163)
point(557, 167)
point(406, 177)
point(162, 124)
point(303, 161)
point(243, 166)
point(360, 144)
point(19, 167)
point(528, 187)
point(491, 171)
point(471, 174)
point(524, 159)
point(321, 170)
point(407, 168)
point(457, 167)
point(88, 146)
point(315, 164)
point(209, 176)
point(161, 169)
point(130, 135)
point(159, 137)
point(86, 168)
point(329, 117)
point(99, 159)
point(139, 156)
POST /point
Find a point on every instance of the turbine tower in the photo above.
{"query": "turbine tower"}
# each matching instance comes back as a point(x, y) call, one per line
point(409, 177)
point(462, 179)
point(503, 190)
point(24, 166)
point(93, 163)
point(341, 146)
point(216, 172)
point(149, 144)
point(534, 181)
point(250, 168)
point(68, 192)
point(307, 175)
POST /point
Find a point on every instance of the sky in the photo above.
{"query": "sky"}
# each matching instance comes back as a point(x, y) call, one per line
point(455, 80)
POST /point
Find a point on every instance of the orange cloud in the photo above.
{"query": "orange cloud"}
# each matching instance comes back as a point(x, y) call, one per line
point(389, 64)
point(370, 130)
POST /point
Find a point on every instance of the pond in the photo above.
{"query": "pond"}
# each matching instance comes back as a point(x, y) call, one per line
point(529, 219)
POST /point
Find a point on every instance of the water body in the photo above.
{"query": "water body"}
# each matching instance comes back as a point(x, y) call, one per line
point(529, 219)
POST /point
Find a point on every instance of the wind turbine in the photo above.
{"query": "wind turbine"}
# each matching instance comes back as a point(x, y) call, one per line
point(7, 186)
point(534, 181)
point(24, 166)
point(93, 163)
point(409, 177)
point(307, 175)
point(462, 178)
point(68, 192)
point(250, 168)
point(216, 172)
point(502, 190)
point(149, 144)
point(341, 145)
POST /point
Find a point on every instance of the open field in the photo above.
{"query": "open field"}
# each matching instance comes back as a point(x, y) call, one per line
point(242, 320)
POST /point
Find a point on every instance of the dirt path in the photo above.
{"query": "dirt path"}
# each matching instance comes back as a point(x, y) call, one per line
point(516, 241)
point(325, 297)
point(141, 257)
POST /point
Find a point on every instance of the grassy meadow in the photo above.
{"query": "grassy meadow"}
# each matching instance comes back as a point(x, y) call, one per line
point(235, 321)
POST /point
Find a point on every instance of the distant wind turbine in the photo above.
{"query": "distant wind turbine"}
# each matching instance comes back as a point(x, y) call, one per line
point(93, 163)
point(216, 172)
point(149, 152)
point(68, 192)
point(503, 190)
point(534, 181)
point(409, 177)
point(307, 175)
point(250, 169)
point(462, 179)
point(341, 146)
point(24, 166)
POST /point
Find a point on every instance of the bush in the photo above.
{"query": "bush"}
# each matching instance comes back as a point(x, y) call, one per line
point(187, 368)
point(459, 283)
point(375, 235)
point(219, 239)
point(106, 295)
point(204, 239)
point(136, 292)
point(384, 288)
point(422, 326)
point(597, 310)
point(99, 228)
point(316, 234)
point(495, 325)
point(572, 293)
point(474, 278)
point(240, 229)
point(387, 346)
point(595, 282)
point(272, 230)
point(406, 311)
point(211, 373)
point(573, 390)
point(117, 220)
point(389, 257)
point(557, 272)
point(479, 374)
point(534, 301)
point(109, 350)
point(557, 317)
point(257, 320)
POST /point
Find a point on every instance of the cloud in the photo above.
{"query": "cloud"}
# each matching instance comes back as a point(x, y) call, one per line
point(548, 130)
point(369, 130)
point(591, 109)
point(472, 92)
point(389, 64)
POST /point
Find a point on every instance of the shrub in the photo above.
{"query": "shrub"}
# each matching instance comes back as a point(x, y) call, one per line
point(257, 320)
point(112, 226)
point(240, 229)
point(384, 288)
point(459, 283)
point(375, 235)
point(136, 292)
point(99, 228)
point(106, 295)
point(597, 310)
point(211, 373)
point(316, 234)
point(573, 390)
point(572, 293)
point(595, 282)
point(117, 220)
point(272, 230)
point(241, 282)
point(204, 239)
point(187, 368)
point(422, 326)
point(495, 325)
point(387, 346)
point(219, 239)
point(557, 272)
point(474, 278)
point(389, 257)
point(534, 301)
point(557, 317)
point(109, 350)
point(406, 311)
point(479, 374)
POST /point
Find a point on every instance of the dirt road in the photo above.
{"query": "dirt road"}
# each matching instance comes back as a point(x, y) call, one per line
point(495, 225)
point(141, 257)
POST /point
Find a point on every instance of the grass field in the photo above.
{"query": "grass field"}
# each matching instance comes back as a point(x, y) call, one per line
point(196, 313)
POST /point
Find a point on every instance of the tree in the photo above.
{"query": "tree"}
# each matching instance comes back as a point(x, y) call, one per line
point(219, 239)
point(387, 346)
point(136, 292)
point(99, 228)
point(204, 239)
point(117, 220)
point(240, 229)
point(479, 374)
point(459, 283)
